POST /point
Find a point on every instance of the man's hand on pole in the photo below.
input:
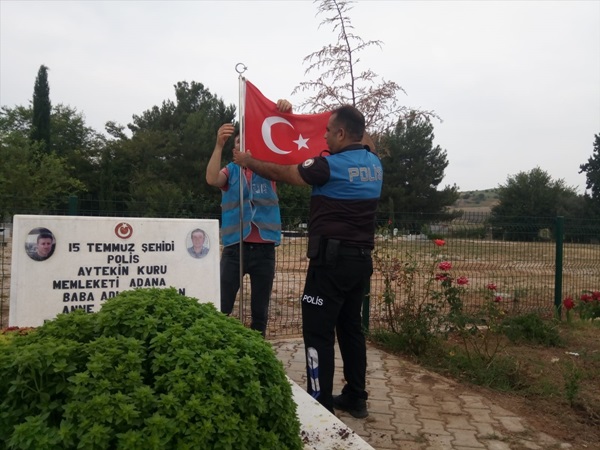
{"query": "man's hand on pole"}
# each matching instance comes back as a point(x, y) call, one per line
point(242, 158)
point(225, 132)
point(214, 176)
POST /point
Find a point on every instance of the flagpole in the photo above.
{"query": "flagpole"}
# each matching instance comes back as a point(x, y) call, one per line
point(240, 68)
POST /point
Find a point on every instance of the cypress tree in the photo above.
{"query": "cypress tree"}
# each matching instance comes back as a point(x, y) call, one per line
point(40, 130)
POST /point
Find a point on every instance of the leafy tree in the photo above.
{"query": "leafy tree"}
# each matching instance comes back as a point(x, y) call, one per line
point(529, 202)
point(40, 130)
point(75, 144)
point(79, 144)
point(115, 130)
point(31, 180)
point(413, 168)
point(294, 204)
point(341, 81)
point(160, 169)
point(589, 226)
point(592, 174)
point(17, 119)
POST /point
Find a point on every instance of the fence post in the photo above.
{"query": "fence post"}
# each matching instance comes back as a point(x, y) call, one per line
point(558, 265)
point(73, 205)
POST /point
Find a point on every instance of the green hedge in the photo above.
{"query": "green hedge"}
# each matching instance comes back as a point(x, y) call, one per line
point(151, 370)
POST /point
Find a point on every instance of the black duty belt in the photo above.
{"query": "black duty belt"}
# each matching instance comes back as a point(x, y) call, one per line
point(354, 251)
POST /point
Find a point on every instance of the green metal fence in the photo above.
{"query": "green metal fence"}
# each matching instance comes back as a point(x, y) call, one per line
point(525, 271)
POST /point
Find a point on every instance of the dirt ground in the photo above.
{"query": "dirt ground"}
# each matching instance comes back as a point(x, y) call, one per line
point(555, 421)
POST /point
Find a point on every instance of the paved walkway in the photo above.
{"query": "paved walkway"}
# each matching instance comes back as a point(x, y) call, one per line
point(411, 408)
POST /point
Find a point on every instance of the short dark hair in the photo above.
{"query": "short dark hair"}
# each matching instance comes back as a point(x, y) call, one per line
point(44, 235)
point(351, 120)
point(198, 230)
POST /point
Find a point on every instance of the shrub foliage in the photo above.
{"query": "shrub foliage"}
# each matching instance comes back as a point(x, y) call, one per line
point(151, 370)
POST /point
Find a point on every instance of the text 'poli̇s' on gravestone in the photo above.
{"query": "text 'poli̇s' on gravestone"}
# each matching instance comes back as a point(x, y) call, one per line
point(64, 263)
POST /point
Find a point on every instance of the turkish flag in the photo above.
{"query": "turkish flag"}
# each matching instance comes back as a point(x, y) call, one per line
point(282, 138)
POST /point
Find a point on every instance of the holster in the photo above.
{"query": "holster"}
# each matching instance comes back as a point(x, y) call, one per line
point(332, 249)
point(323, 251)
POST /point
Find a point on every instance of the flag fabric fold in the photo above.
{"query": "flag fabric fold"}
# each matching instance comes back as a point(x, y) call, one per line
point(283, 138)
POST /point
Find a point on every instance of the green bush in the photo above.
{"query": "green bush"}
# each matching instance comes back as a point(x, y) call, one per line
point(530, 328)
point(5, 339)
point(151, 370)
point(502, 373)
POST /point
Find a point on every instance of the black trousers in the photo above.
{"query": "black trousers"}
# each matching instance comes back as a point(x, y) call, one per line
point(259, 263)
point(332, 301)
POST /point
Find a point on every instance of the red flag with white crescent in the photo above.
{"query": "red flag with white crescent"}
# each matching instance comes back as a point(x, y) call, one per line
point(283, 138)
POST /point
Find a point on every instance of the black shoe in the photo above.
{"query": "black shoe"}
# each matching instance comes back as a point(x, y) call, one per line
point(355, 407)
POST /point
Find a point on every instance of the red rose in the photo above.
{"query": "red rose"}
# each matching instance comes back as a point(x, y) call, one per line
point(492, 286)
point(439, 242)
point(497, 298)
point(462, 281)
point(445, 265)
point(569, 303)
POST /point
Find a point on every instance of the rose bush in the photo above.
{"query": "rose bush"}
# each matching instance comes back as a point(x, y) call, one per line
point(424, 301)
point(588, 306)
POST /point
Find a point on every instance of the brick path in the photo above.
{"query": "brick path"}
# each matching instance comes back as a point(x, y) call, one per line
point(411, 408)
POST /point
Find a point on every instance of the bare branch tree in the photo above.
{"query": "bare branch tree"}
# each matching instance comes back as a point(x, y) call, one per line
point(340, 82)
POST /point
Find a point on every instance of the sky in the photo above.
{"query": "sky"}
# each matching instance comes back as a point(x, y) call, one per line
point(516, 84)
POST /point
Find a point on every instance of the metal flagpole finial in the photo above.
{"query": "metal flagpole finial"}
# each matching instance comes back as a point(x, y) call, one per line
point(240, 68)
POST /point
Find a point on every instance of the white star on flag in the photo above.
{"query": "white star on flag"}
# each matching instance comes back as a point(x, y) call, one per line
point(301, 142)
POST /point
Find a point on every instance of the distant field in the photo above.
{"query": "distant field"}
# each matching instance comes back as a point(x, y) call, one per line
point(477, 201)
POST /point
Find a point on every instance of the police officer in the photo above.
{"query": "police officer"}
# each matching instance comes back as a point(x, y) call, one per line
point(346, 190)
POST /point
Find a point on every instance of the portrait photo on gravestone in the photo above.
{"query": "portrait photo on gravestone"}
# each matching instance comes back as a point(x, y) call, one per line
point(198, 244)
point(40, 244)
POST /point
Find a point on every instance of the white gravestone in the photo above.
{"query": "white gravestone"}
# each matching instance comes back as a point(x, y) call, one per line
point(63, 263)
